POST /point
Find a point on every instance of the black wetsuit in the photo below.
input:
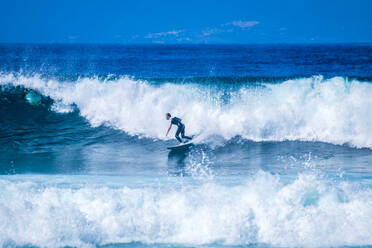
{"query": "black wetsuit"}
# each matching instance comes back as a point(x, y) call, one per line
point(180, 129)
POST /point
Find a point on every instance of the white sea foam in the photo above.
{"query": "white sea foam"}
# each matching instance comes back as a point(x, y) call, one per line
point(308, 212)
point(311, 109)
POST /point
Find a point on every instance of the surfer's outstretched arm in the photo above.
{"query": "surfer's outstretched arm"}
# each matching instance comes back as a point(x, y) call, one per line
point(169, 128)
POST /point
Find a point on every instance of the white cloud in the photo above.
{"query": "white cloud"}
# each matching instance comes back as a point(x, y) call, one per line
point(183, 35)
point(224, 29)
point(160, 34)
point(243, 24)
point(211, 31)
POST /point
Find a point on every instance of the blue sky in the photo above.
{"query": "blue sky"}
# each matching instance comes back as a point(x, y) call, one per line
point(177, 21)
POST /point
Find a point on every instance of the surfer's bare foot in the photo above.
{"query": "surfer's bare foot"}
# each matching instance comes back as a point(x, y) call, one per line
point(181, 144)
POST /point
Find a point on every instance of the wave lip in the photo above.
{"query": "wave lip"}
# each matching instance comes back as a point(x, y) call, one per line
point(332, 110)
point(309, 212)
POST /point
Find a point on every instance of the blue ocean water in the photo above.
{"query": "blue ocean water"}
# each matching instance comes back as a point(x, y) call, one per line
point(282, 154)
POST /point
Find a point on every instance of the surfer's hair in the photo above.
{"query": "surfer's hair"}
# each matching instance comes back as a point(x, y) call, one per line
point(168, 114)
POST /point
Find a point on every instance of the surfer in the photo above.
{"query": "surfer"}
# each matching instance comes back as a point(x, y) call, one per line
point(24, 93)
point(180, 127)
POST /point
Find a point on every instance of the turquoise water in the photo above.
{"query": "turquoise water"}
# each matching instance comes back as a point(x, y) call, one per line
point(33, 98)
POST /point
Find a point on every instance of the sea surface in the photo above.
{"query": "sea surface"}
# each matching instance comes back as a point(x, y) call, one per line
point(282, 154)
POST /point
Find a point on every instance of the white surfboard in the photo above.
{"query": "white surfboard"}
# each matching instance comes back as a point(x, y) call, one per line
point(183, 147)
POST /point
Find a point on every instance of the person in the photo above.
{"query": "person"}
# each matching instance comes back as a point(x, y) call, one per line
point(180, 128)
point(24, 93)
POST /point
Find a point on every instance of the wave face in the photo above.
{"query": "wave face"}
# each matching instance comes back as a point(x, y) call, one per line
point(334, 110)
point(308, 212)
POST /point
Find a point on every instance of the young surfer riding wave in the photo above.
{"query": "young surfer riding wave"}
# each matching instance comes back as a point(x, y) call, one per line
point(180, 128)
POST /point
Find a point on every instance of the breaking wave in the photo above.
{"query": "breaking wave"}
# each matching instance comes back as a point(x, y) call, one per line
point(333, 110)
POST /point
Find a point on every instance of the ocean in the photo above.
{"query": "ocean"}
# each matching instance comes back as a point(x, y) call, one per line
point(282, 153)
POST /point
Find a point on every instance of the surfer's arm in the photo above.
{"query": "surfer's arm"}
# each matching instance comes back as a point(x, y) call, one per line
point(169, 128)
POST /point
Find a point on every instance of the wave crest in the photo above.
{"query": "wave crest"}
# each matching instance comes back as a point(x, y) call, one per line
point(332, 110)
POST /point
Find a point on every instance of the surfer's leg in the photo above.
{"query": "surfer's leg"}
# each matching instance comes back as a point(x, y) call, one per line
point(183, 134)
point(177, 135)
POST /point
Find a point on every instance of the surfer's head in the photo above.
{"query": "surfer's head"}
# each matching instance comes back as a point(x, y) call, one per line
point(167, 116)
